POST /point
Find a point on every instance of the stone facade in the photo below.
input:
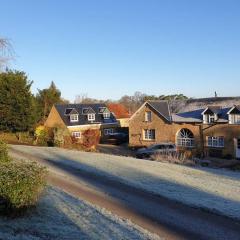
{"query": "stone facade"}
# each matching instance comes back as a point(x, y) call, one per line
point(167, 131)
point(54, 120)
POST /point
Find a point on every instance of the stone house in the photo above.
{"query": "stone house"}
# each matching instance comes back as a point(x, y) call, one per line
point(77, 118)
point(210, 131)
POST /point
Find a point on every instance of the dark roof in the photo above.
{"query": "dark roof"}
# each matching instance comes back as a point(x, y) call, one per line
point(65, 110)
point(196, 115)
point(74, 111)
point(162, 108)
point(235, 109)
point(212, 109)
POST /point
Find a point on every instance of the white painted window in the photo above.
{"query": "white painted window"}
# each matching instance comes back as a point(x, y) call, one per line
point(91, 117)
point(234, 118)
point(106, 115)
point(185, 138)
point(215, 141)
point(149, 134)
point(108, 131)
point(76, 134)
point(148, 116)
point(74, 118)
point(209, 118)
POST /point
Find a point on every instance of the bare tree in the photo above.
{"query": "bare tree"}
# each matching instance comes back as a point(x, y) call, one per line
point(81, 98)
point(6, 52)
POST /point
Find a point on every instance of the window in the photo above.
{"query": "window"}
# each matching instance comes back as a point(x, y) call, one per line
point(108, 131)
point(91, 117)
point(185, 138)
point(74, 118)
point(211, 118)
point(106, 115)
point(234, 118)
point(149, 134)
point(215, 141)
point(76, 134)
point(148, 116)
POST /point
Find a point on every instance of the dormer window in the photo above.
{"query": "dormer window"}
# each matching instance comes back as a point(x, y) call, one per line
point(73, 117)
point(211, 118)
point(210, 115)
point(91, 117)
point(234, 118)
point(106, 115)
point(234, 115)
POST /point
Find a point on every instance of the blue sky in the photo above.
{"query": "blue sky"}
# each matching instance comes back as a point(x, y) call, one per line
point(108, 48)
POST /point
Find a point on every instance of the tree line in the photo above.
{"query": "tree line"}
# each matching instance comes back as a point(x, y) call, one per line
point(21, 110)
point(131, 102)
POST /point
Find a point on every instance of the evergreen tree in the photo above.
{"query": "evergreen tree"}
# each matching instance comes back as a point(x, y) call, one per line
point(16, 102)
point(45, 99)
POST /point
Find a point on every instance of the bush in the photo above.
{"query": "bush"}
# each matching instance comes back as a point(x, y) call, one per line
point(4, 157)
point(21, 184)
point(61, 137)
point(91, 139)
point(173, 157)
point(16, 138)
point(44, 136)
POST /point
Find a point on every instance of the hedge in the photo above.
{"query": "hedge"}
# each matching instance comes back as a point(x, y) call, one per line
point(21, 184)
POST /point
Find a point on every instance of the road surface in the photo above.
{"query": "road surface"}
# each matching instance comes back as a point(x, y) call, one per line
point(168, 219)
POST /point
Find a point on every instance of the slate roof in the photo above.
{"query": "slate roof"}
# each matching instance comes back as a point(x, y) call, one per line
point(235, 109)
point(162, 108)
point(64, 111)
point(196, 115)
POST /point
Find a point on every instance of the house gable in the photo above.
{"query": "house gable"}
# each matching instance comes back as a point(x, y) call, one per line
point(159, 108)
point(54, 119)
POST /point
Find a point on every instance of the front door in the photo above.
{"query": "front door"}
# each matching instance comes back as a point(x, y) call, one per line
point(238, 148)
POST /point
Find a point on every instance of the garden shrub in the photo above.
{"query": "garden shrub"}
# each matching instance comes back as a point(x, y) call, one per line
point(91, 139)
point(21, 184)
point(44, 136)
point(18, 137)
point(59, 136)
point(4, 157)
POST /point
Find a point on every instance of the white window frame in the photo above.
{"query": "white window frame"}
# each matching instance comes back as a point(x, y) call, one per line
point(148, 116)
point(217, 142)
point(234, 118)
point(211, 118)
point(73, 117)
point(76, 134)
point(185, 142)
point(91, 117)
point(108, 131)
point(185, 138)
point(106, 115)
point(149, 134)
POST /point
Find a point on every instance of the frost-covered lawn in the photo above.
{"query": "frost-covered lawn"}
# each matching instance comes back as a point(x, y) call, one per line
point(63, 217)
point(213, 189)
